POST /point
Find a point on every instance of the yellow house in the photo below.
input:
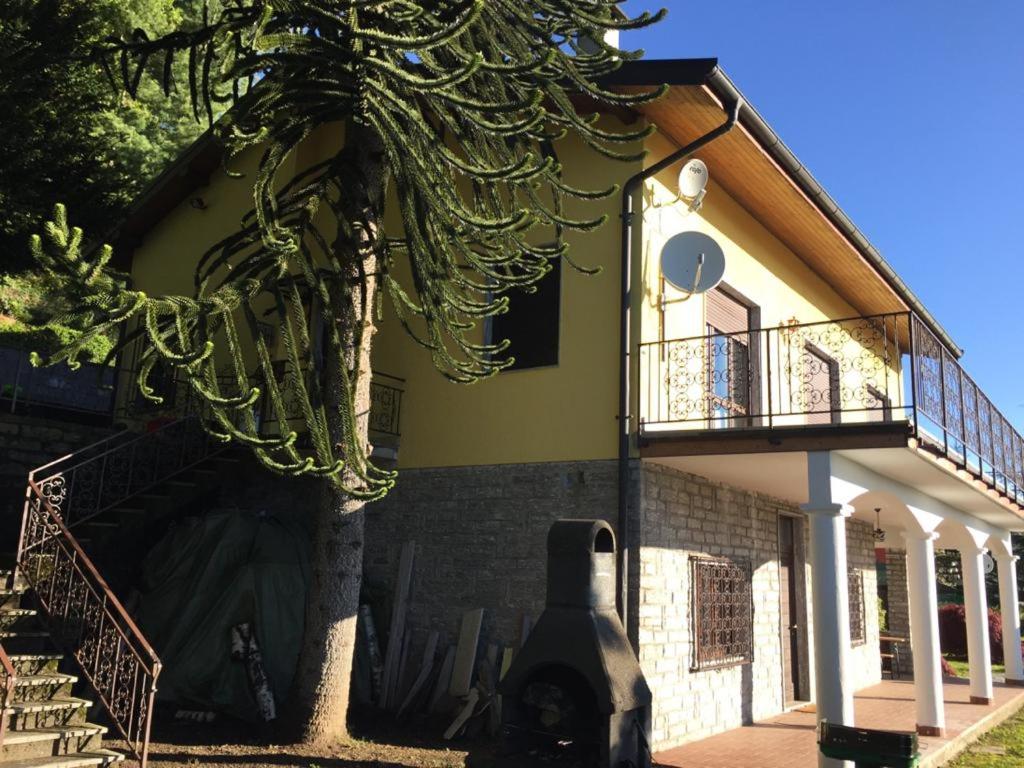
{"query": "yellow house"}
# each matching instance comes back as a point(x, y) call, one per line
point(751, 444)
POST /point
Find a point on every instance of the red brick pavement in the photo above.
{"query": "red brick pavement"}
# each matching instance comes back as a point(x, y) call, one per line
point(788, 740)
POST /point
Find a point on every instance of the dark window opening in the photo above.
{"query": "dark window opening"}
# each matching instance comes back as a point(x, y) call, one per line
point(723, 613)
point(531, 322)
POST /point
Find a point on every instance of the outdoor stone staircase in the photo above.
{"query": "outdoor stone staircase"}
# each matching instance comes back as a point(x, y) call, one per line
point(118, 539)
point(46, 726)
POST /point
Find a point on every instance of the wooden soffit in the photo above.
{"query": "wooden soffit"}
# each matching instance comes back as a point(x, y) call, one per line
point(743, 168)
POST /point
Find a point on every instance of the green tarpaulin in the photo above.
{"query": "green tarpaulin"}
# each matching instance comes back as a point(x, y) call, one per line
point(206, 576)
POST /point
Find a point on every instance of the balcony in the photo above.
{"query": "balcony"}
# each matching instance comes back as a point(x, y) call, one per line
point(882, 380)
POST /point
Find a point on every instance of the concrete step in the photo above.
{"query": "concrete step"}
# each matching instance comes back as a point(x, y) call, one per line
point(25, 640)
point(51, 742)
point(47, 685)
point(11, 597)
point(96, 757)
point(13, 619)
point(46, 713)
point(36, 663)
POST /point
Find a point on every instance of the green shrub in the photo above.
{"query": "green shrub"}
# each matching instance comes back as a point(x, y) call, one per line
point(51, 337)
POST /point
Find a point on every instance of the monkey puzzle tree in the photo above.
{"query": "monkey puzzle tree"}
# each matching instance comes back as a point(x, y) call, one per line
point(448, 110)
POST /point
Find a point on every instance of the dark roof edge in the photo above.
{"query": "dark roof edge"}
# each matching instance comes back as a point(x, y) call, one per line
point(694, 72)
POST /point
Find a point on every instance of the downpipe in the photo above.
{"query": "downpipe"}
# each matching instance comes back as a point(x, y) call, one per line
point(628, 214)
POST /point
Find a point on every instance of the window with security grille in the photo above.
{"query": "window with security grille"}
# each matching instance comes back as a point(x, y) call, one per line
point(722, 613)
point(858, 632)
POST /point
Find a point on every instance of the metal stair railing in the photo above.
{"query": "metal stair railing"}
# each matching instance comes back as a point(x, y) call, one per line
point(88, 621)
point(84, 615)
point(85, 484)
point(9, 682)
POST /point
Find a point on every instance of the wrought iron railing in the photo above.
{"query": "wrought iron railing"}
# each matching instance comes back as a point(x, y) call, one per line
point(88, 621)
point(89, 389)
point(956, 417)
point(832, 372)
point(106, 474)
point(880, 368)
point(10, 680)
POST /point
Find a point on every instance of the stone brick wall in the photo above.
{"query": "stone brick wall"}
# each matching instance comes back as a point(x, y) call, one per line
point(683, 514)
point(899, 603)
point(480, 536)
point(860, 556)
point(481, 543)
point(27, 442)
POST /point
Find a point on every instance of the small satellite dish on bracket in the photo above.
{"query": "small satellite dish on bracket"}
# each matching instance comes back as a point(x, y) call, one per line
point(693, 183)
point(692, 262)
point(989, 563)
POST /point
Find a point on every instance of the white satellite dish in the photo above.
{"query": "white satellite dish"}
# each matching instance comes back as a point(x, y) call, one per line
point(693, 179)
point(989, 563)
point(692, 262)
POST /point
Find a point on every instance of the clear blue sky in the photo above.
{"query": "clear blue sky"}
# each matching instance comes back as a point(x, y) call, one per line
point(886, 103)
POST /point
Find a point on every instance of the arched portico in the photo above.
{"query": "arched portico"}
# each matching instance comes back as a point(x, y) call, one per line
point(838, 489)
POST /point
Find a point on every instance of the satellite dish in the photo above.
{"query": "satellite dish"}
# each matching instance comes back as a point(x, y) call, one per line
point(693, 179)
point(692, 262)
point(989, 562)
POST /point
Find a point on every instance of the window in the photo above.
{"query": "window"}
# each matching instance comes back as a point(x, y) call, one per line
point(722, 613)
point(531, 322)
point(858, 632)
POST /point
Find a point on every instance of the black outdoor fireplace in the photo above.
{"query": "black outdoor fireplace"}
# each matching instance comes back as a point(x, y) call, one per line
point(575, 693)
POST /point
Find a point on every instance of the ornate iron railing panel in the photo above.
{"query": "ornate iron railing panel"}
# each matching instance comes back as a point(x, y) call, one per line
point(88, 621)
point(86, 484)
point(838, 372)
point(858, 618)
point(723, 612)
point(956, 418)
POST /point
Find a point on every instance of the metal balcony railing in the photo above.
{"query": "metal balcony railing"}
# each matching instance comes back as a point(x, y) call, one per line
point(850, 371)
point(88, 390)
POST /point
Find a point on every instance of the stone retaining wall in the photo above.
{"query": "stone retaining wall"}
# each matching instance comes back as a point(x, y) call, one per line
point(27, 442)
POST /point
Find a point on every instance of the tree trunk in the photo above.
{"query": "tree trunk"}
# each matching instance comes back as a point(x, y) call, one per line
point(320, 691)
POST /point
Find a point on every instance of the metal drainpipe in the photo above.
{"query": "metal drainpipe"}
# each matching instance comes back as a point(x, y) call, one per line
point(628, 192)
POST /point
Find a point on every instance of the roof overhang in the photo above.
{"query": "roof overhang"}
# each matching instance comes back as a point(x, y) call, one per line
point(760, 172)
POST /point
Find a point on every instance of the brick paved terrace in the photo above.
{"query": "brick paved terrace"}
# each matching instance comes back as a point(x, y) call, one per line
point(788, 740)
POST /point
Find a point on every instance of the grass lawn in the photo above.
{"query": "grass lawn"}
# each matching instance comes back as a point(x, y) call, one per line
point(962, 670)
point(1002, 747)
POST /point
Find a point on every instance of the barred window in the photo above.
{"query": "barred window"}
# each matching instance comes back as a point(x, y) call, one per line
point(858, 632)
point(722, 613)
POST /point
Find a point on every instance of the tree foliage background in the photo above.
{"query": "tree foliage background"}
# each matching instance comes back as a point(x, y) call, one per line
point(67, 135)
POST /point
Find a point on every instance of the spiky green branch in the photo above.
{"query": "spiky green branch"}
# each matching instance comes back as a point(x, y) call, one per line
point(467, 99)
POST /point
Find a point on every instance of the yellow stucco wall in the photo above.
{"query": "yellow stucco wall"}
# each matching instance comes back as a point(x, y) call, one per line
point(562, 412)
point(673, 376)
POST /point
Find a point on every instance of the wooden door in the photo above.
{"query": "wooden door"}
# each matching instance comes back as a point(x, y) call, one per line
point(790, 571)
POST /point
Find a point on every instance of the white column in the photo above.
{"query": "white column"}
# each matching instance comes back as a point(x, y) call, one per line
point(979, 655)
point(924, 633)
point(830, 600)
point(1008, 600)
